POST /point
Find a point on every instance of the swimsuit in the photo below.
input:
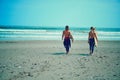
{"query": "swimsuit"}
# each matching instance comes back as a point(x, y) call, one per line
point(92, 44)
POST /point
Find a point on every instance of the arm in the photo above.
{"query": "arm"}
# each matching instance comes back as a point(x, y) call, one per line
point(71, 37)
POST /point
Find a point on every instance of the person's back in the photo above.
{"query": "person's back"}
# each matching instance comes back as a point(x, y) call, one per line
point(91, 34)
point(66, 33)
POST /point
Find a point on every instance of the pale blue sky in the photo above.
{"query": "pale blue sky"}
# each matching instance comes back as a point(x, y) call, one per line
point(75, 13)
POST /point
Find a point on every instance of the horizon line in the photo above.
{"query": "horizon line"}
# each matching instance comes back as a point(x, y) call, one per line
point(47, 26)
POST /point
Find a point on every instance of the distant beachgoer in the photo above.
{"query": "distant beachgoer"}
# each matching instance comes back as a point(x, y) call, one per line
point(67, 36)
point(92, 40)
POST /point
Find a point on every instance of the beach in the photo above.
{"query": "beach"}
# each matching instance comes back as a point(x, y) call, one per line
point(46, 60)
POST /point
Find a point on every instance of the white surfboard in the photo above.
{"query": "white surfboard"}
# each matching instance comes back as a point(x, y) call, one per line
point(95, 42)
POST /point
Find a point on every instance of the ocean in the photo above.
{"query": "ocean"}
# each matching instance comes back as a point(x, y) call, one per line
point(53, 33)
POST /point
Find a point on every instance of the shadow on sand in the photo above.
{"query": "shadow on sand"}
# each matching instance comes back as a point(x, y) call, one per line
point(59, 53)
point(84, 54)
point(62, 53)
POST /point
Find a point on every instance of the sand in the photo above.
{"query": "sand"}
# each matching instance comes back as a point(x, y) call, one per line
point(46, 60)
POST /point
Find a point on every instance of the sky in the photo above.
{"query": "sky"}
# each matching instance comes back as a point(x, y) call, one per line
point(75, 13)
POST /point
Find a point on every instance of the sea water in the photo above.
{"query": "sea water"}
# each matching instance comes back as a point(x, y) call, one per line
point(55, 33)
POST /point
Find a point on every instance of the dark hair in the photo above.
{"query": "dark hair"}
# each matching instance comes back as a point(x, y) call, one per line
point(67, 27)
point(91, 28)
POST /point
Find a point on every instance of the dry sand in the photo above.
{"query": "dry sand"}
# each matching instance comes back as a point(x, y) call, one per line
point(46, 60)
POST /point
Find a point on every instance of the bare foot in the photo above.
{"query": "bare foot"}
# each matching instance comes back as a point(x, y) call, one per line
point(67, 52)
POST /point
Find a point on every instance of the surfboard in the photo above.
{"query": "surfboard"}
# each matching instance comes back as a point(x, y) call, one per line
point(95, 42)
